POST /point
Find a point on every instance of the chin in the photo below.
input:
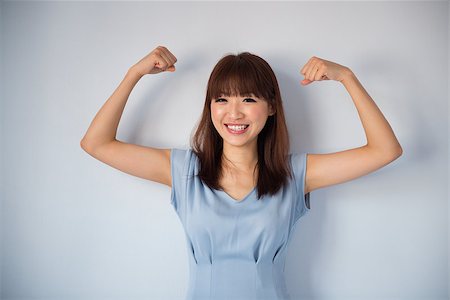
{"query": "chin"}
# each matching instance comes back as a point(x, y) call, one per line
point(235, 143)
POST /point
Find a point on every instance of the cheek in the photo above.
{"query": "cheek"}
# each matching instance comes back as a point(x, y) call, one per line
point(216, 115)
point(260, 114)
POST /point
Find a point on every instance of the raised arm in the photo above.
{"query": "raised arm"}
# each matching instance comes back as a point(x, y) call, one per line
point(100, 139)
point(382, 145)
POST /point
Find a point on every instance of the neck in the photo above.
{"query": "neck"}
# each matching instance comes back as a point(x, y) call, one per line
point(240, 158)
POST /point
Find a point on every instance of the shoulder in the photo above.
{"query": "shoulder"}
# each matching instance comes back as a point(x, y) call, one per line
point(297, 159)
point(183, 159)
point(179, 153)
point(297, 163)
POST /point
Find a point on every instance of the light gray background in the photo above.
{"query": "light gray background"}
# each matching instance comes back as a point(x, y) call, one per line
point(75, 228)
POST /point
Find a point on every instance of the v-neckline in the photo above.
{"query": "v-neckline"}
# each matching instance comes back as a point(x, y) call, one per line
point(235, 201)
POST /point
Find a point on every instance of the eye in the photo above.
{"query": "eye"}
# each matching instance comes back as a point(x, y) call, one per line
point(220, 100)
point(249, 100)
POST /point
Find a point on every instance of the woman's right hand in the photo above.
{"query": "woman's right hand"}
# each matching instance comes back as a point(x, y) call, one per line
point(157, 61)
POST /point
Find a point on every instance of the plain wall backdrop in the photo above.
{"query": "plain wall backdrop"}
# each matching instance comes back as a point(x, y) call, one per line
point(73, 227)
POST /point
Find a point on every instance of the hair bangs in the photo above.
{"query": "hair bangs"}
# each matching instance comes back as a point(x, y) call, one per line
point(239, 76)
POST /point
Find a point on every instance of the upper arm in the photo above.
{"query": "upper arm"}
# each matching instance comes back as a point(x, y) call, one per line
point(144, 162)
point(333, 168)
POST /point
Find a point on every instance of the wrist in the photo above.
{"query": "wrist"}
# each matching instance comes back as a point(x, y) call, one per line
point(348, 76)
point(132, 71)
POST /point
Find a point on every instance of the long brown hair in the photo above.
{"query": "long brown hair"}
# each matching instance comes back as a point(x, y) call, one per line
point(244, 74)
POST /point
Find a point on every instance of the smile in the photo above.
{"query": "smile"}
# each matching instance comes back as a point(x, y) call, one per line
point(237, 128)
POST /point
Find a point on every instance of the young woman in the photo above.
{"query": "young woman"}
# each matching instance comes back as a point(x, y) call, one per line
point(238, 192)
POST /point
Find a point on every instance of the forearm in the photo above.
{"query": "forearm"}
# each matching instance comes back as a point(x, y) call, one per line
point(103, 128)
point(379, 133)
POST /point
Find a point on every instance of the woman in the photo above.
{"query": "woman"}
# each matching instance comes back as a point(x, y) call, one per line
point(238, 192)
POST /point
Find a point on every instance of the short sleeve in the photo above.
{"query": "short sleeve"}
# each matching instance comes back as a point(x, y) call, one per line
point(179, 159)
point(302, 201)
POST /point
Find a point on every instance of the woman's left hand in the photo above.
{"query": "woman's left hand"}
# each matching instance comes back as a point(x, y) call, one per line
point(317, 69)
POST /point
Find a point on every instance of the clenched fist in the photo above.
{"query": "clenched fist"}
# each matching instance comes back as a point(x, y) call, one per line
point(317, 69)
point(157, 61)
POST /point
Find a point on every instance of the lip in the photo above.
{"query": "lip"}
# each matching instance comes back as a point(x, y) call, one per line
point(238, 132)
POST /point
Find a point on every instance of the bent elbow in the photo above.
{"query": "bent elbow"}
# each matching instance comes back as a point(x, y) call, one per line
point(85, 146)
point(387, 155)
point(397, 153)
point(400, 151)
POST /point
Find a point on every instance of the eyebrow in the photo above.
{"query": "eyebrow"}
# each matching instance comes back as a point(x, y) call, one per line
point(243, 96)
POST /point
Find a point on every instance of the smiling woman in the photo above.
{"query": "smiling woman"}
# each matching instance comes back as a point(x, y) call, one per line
point(238, 192)
point(243, 90)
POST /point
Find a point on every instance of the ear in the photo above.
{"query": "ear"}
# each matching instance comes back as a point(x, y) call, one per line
point(271, 110)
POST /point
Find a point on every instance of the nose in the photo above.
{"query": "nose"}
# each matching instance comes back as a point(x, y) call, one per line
point(235, 110)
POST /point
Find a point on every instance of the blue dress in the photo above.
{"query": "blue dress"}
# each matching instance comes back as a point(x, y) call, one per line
point(236, 249)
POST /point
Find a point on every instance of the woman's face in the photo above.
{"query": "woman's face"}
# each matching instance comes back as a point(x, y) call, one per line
point(239, 119)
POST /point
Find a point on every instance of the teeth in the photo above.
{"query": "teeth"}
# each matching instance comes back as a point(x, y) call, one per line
point(237, 127)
